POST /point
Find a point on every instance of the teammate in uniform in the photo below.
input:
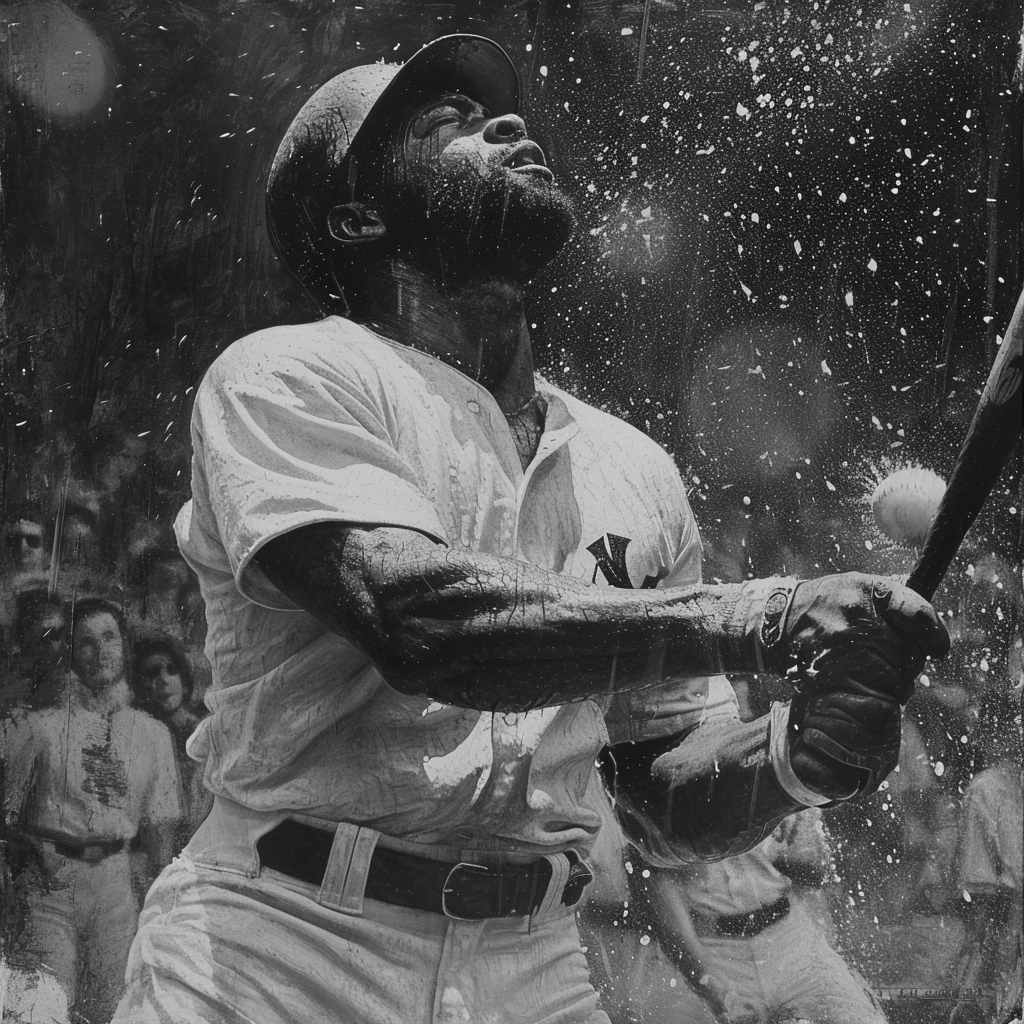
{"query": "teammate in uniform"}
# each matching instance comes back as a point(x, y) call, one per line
point(989, 872)
point(762, 954)
point(405, 538)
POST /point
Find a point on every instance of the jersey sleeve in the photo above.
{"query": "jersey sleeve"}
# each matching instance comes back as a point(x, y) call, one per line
point(289, 430)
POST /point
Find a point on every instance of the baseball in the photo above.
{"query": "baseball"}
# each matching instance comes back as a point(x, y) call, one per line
point(904, 503)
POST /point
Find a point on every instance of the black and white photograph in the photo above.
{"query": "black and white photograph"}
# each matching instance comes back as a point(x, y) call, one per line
point(512, 512)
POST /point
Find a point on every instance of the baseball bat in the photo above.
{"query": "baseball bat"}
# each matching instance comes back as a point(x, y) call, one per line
point(990, 440)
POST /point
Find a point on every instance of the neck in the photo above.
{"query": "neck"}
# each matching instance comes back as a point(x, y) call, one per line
point(477, 326)
point(111, 697)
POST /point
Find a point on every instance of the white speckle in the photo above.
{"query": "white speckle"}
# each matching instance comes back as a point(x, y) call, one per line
point(826, 369)
point(849, 299)
point(872, 265)
point(797, 246)
point(755, 218)
point(543, 71)
point(924, 680)
point(746, 499)
point(626, 32)
point(940, 769)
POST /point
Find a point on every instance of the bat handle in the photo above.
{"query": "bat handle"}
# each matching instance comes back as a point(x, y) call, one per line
point(925, 578)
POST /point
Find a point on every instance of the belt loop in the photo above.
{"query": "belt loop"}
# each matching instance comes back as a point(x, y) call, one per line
point(552, 900)
point(345, 877)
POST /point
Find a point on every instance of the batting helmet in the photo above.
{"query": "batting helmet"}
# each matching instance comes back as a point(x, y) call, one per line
point(310, 173)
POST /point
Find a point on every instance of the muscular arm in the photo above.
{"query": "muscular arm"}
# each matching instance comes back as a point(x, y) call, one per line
point(493, 633)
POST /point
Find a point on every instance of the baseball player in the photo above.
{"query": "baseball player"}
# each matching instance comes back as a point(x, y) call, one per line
point(763, 953)
point(433, 582)
point(989, 870)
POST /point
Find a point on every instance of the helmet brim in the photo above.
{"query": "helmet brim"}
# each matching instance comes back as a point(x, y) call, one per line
point(472, 65)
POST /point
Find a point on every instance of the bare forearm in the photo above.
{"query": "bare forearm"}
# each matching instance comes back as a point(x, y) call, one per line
point(496, 633)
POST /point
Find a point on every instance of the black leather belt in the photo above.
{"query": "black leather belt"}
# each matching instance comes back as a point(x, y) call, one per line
point(744, 926)
point(465, 891)
point(90, 852)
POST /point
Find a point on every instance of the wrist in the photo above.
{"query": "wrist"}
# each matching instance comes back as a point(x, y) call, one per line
point(778, 754)
point(755, 624)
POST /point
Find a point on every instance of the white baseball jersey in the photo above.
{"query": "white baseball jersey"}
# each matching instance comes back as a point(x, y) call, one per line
point(89, 770)
point(328, 422)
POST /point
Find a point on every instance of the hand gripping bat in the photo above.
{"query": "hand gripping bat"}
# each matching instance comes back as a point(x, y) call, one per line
point(991, 438)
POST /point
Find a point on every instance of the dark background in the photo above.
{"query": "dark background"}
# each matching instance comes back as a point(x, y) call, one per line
point(801, 224)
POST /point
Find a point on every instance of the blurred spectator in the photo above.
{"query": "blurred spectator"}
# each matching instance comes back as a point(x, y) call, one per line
point(163, 685)
point(78, 529)
point(990, 869)
point(83, 783)
point(162, 584)
point(37, 672)
point(25, 544)
point(24, 561)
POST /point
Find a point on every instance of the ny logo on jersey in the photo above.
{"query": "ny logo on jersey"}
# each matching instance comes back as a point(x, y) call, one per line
point(609, 552)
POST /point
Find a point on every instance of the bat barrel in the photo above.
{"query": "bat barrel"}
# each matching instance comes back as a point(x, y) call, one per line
point(993, 432)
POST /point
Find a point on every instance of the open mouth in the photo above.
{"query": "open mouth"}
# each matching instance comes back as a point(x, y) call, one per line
point(528, 158)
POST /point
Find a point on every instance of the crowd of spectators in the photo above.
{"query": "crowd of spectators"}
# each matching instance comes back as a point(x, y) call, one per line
point(102, 676)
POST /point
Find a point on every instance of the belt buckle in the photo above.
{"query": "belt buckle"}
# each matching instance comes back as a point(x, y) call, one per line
point(450, 907)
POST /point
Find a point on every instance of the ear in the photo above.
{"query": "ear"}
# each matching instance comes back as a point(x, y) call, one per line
point(355, 224)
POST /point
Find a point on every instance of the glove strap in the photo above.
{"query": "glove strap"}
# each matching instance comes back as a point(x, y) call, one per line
point(755, 623)
point(778, 752)
point(774, 613)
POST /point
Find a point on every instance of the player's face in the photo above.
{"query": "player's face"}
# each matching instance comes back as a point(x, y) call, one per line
point(97, 651)
point(454, 131)
point(162, 681)
point(482, 185)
